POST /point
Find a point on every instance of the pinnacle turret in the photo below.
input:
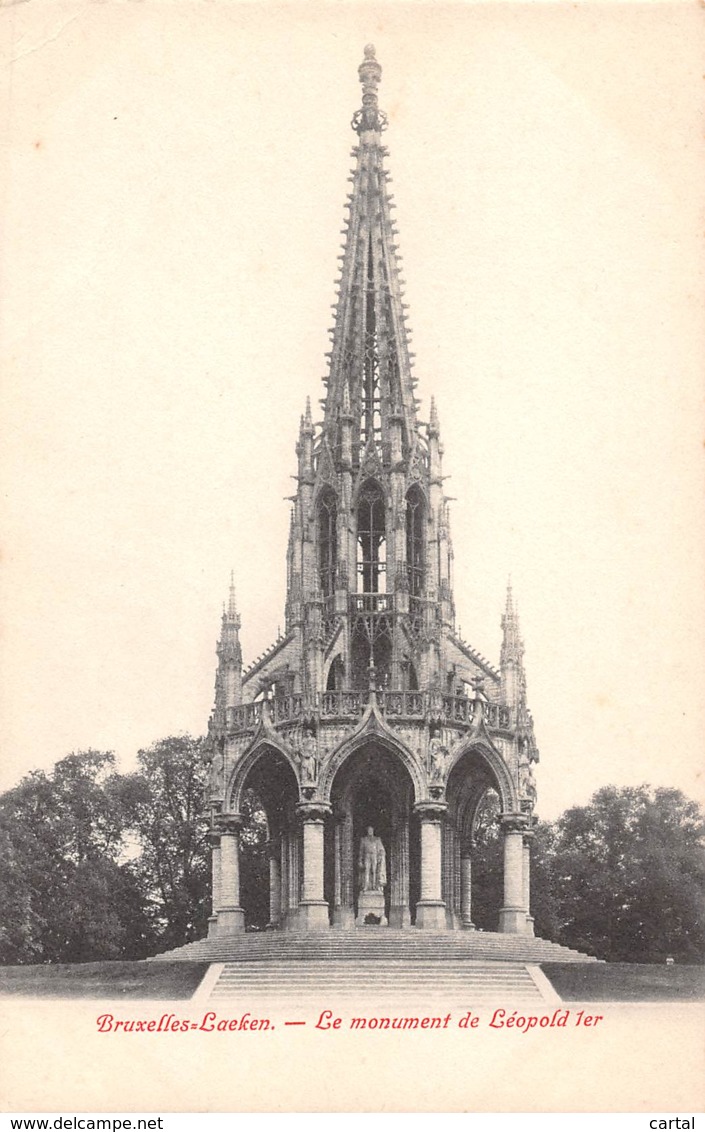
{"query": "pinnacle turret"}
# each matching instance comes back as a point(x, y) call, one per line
point(232, 614)
point(307, 420)
point(229, 679)
point(433, 424)
point(512, 644)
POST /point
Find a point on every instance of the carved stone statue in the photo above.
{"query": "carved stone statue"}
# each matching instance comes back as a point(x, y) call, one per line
point(527, 781)
point(438, 755)
point(217, 771)
point(372, 863)
point(309, 762)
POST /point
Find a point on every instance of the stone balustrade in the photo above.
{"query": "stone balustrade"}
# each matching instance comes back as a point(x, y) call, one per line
point(395, 706)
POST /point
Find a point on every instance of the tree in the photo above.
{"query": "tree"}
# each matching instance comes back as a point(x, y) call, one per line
point(487, 863)
point(254, 861)
point(544, 902)
point(67, 892)
point(629, 875)
point(164, 809)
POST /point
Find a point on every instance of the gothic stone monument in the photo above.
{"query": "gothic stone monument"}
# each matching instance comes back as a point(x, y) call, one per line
point(370, 712)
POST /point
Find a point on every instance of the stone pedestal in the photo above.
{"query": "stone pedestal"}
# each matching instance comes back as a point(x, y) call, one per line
point(431, 915)
point(371, 904)
point(313, 916)
point(230, 920)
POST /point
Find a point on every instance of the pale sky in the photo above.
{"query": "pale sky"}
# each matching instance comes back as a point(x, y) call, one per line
point(173, 185)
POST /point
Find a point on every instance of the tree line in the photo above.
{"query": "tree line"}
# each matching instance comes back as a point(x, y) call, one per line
point(100, 865)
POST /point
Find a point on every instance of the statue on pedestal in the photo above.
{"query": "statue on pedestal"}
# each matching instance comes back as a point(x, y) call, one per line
point(372, 862)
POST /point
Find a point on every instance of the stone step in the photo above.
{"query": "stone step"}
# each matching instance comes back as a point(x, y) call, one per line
point(407, 946)
point(460, 984)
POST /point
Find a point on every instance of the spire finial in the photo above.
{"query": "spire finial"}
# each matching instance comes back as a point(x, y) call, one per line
point(510, 597)
point(232, 605)
point(370, 117)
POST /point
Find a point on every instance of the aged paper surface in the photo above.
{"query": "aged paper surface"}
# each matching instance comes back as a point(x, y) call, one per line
point(173, 182)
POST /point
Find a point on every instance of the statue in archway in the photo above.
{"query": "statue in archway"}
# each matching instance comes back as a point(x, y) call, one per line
point(372, 863)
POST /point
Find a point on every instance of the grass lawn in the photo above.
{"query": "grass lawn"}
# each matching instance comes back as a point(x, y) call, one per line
point(626, 982)
point(117, 980)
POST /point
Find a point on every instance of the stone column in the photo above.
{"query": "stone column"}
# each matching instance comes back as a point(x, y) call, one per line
point(343, 910)
point(284, 877)
point(313, 908)
point(292, 873)
point(528, 838)
point(512, 917)
point(214, 839)
point(466, 890)
point(430, 910)
point(447, 874)
point(231, 917)
point(399, 913)
point(275, 883)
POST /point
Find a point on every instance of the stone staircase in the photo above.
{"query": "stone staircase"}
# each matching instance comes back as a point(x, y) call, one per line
point(376, 966)
point(322, 983)
point(375, 944)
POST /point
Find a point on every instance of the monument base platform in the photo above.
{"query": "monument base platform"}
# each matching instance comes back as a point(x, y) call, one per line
point(407, 944)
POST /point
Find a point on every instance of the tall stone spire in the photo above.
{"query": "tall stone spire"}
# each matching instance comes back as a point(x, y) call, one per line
point(511, 658)
point(353, 713)
point(370, 363)
point(229, 652)
point(232, 604)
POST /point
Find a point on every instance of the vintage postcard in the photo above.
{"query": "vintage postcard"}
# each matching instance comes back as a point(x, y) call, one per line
point(352, 360)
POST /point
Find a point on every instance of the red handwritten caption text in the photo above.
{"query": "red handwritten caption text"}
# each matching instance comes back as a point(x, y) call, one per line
point(210, 1022)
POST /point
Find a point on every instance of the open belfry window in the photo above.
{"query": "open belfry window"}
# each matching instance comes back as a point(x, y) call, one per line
point(416, 541)
point(327, 542)
point(371, 541)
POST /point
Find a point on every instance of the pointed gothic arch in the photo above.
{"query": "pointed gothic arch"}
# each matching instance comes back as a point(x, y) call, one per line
point(327, 540)
point(383, 739)
point(493, 763)
point(264, 782)
point(335, 677)
point(372, 790)
point(416, 512)
point(371, 538)
point(265, 747)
